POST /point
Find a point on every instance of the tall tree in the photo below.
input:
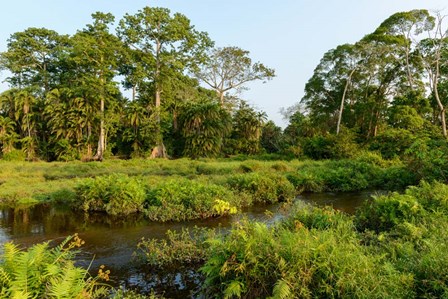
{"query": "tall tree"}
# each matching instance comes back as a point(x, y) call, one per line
point(96, 53)
point(163, 44)
point(32, 59)
point(230, 68)
point(433, 52)
point(402, 30)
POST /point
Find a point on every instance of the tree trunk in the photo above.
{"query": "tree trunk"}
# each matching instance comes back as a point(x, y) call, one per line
point(443, 120)
point(221, 98)
point(101, 140)
point(439, 102)
point(159, 151)
point(341, 109)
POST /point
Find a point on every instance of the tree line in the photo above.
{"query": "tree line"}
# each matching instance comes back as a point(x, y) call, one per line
point(394, 77)
point(383, 93)
point(387, 92)
point(65, 99)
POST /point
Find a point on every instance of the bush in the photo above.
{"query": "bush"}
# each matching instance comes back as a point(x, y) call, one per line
point(433, 197)
point(14, 155)
point(255, 261)
point(387, 211)
point(392, 142)
point(311, 217)
point(178, 248)
point(343, 175)
point(262, 187)
point(330, 146)
point(116, 194)
point(182, 199)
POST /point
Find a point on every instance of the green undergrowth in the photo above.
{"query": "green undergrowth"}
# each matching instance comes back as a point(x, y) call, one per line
point(48, 271)
point(393, 247)
point(186, 189)
point(43, 271)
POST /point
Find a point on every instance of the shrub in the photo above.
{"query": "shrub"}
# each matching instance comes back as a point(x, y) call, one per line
point(330, 146)
point(392, 142)
point(182, 199)
point(255, 261)
point(311, 217)
point(433, 197)
point(14, 155)
point(184, 247)
point(387, 211)
point(343, 175)
point(262, 187)
point(115, 194)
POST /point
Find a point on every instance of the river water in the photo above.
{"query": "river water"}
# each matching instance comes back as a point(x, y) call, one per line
point(112, 241)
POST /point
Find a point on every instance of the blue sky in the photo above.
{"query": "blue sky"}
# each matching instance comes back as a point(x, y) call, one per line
point(290, 36)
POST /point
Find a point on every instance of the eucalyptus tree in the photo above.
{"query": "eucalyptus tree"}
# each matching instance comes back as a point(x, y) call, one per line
point(95, 55)
point(229, 68)
point(403, 30)
point(434, 54)
point(162, 44)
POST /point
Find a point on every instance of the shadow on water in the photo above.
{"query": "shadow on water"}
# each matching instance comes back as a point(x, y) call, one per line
point(111, 241)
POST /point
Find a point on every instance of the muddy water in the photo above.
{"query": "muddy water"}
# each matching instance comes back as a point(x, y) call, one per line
point(112, 241)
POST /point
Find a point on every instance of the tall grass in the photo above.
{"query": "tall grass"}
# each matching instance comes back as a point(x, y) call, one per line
point(395, 247)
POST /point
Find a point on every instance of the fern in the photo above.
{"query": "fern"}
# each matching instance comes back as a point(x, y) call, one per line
point(67, 284)
point(43, 272)
point(235, 288)
point(281, 290)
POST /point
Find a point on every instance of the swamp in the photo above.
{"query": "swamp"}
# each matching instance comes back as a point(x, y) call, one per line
point(182, 189)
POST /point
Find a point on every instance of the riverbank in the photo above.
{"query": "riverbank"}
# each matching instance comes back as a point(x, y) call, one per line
point(163, 190)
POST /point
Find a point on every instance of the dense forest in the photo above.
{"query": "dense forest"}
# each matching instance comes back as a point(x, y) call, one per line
point(66, 99)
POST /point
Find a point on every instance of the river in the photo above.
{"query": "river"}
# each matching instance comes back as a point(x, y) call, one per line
point(111, 241)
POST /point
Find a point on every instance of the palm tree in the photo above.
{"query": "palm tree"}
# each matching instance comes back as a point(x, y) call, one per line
point(8, 136)
point(247, 126)
point(204, 126)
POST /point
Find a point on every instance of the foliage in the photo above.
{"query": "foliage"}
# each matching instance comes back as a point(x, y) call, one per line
point(342, 175)
point(14, 155)
point(115, 194)
point(183, 247)
point(254, 260)
point(262, 187)
point(393, 248)
point(45, 272)
point(427, 159)
point(392, 142)
point(183, 199)
point(204, 126)
point(330, 146)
